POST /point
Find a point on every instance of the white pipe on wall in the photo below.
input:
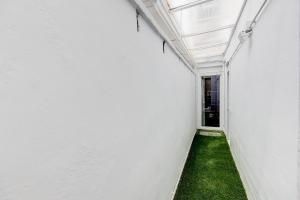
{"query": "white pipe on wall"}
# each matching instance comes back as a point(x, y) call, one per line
point(250, 28)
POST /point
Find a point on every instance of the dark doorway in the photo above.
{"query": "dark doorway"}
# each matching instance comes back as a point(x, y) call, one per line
point(211, 101)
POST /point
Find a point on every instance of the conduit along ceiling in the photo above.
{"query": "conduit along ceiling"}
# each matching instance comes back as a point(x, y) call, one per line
point(202, 27)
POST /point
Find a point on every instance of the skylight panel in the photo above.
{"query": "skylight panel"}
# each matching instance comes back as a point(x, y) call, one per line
point(205, 23)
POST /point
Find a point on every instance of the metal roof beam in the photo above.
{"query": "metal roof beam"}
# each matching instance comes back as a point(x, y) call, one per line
point(209, 31)
point(210, 62)
point(188, 5)
point(209, 57)
point(210, 46)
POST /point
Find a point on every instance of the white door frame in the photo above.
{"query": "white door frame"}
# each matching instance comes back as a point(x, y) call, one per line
point(218, 71)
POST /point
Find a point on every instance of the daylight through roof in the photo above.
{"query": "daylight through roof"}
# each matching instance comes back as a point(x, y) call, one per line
point(205, 26)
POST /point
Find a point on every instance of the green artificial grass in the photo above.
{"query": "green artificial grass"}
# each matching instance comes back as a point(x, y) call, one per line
point(210, 172)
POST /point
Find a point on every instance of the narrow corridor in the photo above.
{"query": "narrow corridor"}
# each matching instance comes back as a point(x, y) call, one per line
point(101, 100)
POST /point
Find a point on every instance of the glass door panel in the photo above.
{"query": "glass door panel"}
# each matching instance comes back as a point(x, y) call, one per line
point(211, 101)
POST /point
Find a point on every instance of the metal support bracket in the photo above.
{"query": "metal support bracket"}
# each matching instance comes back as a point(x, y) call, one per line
point(137, 21)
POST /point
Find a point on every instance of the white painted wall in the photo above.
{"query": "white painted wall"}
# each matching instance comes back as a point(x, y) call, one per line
point(90, 109)
point(263, 102)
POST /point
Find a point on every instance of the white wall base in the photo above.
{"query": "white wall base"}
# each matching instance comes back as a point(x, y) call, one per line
point(244, 175)
point(181, 168)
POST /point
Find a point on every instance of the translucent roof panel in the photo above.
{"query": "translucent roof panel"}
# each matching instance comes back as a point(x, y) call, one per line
point(177, 3)
point(205, 23)
point(211, 38)
point(210, 51)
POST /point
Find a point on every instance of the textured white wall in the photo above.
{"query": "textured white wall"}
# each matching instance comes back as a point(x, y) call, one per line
point(90, 109)
point(264, 92)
